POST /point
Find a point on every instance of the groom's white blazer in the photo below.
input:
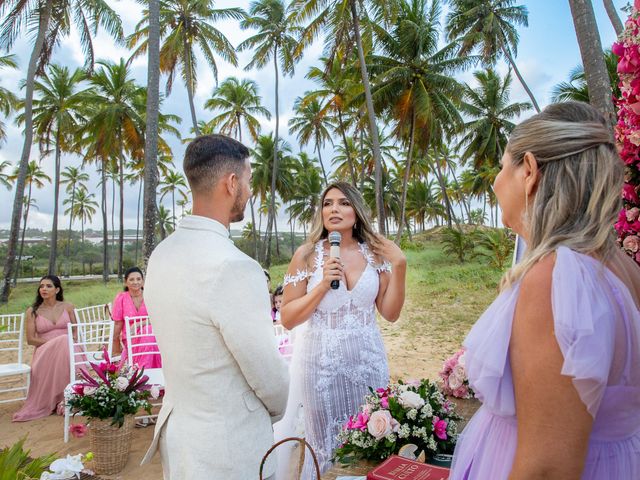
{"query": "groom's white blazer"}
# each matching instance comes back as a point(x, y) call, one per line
point(225, 380)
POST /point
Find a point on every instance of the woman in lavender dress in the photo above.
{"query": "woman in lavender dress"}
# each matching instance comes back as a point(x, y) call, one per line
point(555, 358)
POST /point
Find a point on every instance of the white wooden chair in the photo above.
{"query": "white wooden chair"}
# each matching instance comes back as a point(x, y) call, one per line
point(95, 313)
point(285, 341)
point(139, 337)
point(86, 344)
point(11, 342)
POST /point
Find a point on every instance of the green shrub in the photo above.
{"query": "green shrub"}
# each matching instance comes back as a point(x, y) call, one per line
point(496, 246)
point(16, 464)
point(457, 243)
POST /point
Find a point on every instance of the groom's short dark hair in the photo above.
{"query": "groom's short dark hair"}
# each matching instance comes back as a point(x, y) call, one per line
point(208, 157)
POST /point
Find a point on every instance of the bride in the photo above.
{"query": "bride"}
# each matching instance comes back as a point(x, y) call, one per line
point(338, 349)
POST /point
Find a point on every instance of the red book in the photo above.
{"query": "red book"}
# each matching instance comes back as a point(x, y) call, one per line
point(399, 468)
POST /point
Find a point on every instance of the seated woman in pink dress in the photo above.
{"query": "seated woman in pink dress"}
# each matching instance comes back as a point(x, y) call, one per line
point(131, 304)
point(555, 358)
point(47, 321)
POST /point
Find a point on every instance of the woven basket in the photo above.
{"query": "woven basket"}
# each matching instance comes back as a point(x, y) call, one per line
point(303, 443)
point(110, 444)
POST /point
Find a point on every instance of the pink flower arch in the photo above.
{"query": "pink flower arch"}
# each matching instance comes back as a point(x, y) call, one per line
point(627, 131)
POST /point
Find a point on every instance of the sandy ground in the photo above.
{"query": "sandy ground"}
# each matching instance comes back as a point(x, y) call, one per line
point(407, 359)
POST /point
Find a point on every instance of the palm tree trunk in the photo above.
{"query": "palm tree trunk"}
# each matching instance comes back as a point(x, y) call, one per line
point(138, 222)
point(373, 127)
point(363, 165)
point(187, 67)
point(151, 134)
point(595, 68)
point(105, 225)
point(275, 229)
point(443, 188)
point(53, 251)
point(509, 58)
point(291, 222)
point(253, 229)
point(613, 16)
point(16, 212)
point(112, 268)
point(467, 210)
point(73, 198)
point(272, 205)
point(405, 180)
point(324, 172)
point(82, 237)
point(24, 229)
point(347, 151)
point(173, 208)
point(121, 242)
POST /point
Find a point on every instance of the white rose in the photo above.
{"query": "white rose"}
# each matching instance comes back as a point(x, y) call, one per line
point(462, 359)
point(122, 383)
point(379, 425)
point(454, 381)
point(155, 391)
point(89, 390)
point(411, 400)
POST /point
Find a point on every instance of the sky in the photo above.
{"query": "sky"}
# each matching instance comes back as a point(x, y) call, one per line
point(547, 52)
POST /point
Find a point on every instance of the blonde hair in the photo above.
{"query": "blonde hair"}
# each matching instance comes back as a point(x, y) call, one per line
point(578, 196)
point(363, 231)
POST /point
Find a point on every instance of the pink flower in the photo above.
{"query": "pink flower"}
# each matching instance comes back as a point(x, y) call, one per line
point(78, 430)
point(440, 428)
point(380, 424)
point(384, 402)
point(629, 193)
point(78, 389)
point(631, 243)
point(632, 214)
point(361, 422)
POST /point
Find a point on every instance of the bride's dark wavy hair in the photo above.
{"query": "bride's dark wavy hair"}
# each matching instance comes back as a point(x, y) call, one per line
point(38, 301)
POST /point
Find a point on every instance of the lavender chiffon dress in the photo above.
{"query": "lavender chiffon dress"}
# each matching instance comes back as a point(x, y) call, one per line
point(597, 326)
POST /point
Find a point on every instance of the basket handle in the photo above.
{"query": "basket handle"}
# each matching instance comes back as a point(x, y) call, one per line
point(305, 445)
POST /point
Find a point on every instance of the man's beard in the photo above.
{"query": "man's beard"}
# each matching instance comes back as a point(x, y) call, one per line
point(237, 212)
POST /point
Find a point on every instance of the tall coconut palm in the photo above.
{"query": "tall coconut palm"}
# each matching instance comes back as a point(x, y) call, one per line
point(57, 114)
point(490, 27)
point(415, 83)
point(275, 42)
point(35, 177)
point(239, 103)
point(576, 88)
point(171, 184)
point(115, 126)
point(83, 207)
point(310, 123)
point(49, 21)
point(74, 179)
point(165, 222)
point(490, 114)
point(185, 24)
point(8, 101)
point(612, 13)
point(595, 68)
point(308, 187)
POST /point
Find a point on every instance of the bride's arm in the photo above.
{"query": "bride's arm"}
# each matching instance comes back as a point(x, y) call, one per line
point(297, 304)
point(392, 284)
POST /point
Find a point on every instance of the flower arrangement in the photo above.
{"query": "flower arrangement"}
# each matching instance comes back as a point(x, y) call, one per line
point(415, 413)
point(454, 376)
point(116, 391)
point(627, 131)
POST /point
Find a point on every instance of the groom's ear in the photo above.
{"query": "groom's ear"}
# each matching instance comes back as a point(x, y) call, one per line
point(231, 183)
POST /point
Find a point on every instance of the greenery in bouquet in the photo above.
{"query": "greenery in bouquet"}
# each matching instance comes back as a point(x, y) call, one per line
point(416, 413)
point(454, 376)
point(115, 391)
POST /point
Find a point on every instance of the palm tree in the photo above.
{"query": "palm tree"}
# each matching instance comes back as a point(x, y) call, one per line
point(115, 127)
point(172, 183)
point(576, 88)
point(595, 68)
point(4, 177)
point(612, 13)
point(165, 222)
point(57, 113)
point(274, 41)
point(74, 179)
point(490, 27)
point(415, 81)
point(185, 24)
point(309, 123)
point(35, 177)
point(8, 101)
point(308, 187)
point(485, 135)
point(83, 206)
point(239, 103)
point(51, 21)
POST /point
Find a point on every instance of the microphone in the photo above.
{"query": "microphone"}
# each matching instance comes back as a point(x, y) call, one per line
point(334, 252)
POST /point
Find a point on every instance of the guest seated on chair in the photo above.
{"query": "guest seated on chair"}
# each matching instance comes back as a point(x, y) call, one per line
point(130, 303)
point(47, 321)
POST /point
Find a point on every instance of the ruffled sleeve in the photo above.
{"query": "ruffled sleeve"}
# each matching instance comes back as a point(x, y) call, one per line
point(117, 312)
point(300, 276)
point(584, 309)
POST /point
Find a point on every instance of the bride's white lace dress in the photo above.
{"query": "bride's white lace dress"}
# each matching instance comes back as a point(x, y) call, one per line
point(338, 355)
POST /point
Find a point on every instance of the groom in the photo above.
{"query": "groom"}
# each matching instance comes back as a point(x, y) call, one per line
point(208, 302)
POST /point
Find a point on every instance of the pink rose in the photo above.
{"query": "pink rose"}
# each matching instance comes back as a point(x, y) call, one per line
point(440, 428)
point(633, 214)
point(78, 430)
point(380, 424)
point(631, 243)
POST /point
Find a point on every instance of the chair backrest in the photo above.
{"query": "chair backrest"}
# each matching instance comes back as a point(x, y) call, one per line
point(12, 334)
point(285, 341)
point(279, 330)
point(95, 313)
point(140, 338)
point(87, 342)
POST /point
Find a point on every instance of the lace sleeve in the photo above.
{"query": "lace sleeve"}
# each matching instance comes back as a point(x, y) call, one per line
point(384, 267)
point(300, 276)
